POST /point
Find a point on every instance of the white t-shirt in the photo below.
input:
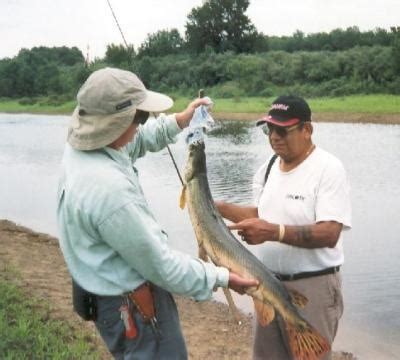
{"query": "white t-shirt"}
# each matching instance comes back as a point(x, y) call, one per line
point(316, 190)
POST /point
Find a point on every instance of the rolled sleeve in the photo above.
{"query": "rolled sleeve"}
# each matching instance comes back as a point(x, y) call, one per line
point(222, 277)
point(154, 135)
point(135, 236)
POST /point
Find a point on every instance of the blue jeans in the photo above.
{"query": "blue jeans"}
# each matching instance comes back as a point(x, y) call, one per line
point(145, 345)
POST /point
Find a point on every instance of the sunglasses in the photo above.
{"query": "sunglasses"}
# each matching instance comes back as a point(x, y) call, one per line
point(141, 117)
point(281, 131)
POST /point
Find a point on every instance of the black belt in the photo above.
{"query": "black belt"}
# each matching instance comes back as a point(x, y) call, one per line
point(307, 274)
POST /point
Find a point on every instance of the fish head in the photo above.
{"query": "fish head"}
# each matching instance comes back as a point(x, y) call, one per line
point(195, 135)
point(196, 163)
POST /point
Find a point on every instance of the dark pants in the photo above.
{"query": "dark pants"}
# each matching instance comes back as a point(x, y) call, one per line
point(145, 345)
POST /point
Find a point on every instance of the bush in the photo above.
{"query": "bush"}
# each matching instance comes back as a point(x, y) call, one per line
point(27, 101)
point(267, 92)
point(55, 100)
point(228, 90)
point(394, 86)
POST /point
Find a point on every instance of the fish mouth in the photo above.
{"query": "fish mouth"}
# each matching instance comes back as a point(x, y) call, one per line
point(195, 135)
point(196, 144)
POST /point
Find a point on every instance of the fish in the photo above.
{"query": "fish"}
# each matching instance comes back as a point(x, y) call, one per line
point(216, 240)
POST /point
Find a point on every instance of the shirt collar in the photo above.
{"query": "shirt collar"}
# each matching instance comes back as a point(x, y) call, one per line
point(121, 155)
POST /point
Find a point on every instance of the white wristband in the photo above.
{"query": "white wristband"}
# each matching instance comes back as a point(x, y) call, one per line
point(281, 232)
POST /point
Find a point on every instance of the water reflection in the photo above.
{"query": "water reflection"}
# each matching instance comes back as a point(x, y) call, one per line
point(231, 176)
point(234, 131)
point(31, 149)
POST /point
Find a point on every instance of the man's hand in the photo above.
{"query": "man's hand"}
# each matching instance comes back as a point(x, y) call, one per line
point(183, 118)
point(240, 284)
point(256, 231)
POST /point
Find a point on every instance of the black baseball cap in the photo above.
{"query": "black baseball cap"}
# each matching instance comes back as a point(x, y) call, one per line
point(287, 110)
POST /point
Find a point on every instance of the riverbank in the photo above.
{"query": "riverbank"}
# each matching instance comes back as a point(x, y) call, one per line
point(207, 326)
point(363, 118)
point(380, 109)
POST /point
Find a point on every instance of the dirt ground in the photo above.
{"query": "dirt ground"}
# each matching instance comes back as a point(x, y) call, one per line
point(208, 329)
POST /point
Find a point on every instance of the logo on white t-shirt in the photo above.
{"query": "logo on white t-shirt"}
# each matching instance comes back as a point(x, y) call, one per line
point(295, 197)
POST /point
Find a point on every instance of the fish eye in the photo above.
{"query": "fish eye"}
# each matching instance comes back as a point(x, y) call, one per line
point(188, 137)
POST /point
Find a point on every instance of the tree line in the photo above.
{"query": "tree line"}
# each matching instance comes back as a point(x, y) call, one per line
point(222, 51)
point(222, 25)
point(360, 70)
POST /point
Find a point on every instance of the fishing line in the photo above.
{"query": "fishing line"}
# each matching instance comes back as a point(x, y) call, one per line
point(176, 167)
point(127, 47)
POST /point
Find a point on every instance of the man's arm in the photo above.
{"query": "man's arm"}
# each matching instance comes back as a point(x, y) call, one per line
point(156, 134)
point(136, 237)
point(236, 213)
point(322, 234)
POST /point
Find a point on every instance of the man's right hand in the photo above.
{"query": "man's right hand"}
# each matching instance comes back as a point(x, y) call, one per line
point(183, 118)
point(240, 284)
point(256, 231)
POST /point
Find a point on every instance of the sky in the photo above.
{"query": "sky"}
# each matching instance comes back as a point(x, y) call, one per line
point(90, 26)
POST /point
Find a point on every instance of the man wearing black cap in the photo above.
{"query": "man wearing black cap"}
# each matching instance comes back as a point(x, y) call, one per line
point(301, 207)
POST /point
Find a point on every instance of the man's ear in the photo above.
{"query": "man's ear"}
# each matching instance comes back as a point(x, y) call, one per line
point(309, 127)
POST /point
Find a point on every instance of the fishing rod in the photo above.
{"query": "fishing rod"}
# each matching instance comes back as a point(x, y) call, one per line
point(116, 21)
point(127, 47)
point(201, 94)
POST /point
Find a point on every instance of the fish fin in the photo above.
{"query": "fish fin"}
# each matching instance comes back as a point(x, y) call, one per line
point(182, 199)
point(297, 298)
point(265, 312)
point(203, 254)
point(232, 307)
point(305, 342)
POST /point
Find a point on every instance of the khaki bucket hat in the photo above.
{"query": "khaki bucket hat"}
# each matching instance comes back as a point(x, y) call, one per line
point(107, 103)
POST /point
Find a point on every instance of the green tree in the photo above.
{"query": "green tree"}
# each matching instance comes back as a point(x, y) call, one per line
point(120, 56)
point(336, 40)
point(396, 48)
point(223, 26)
point(251, 72)
point(40, 71)
point(69, 56)
point(8, 74)
point(161, 43)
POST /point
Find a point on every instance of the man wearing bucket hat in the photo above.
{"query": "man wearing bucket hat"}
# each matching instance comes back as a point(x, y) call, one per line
point(302, 205)
point(122, 267)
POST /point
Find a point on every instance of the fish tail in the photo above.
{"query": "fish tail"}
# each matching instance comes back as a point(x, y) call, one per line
point(305, 342)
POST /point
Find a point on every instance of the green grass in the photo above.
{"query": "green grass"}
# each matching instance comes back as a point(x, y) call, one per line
point(237, 105)
point(26, 332)
point(41, 107)
point(372, 104)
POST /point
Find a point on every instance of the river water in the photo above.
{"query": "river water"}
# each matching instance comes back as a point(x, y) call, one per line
point(31, 148)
